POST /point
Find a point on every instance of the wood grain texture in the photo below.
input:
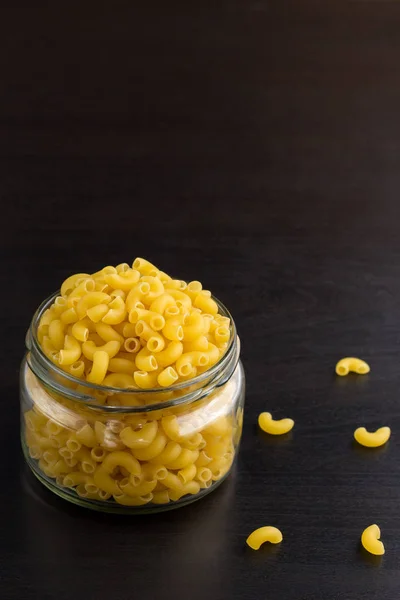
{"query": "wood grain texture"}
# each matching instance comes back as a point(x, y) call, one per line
point(254, 146)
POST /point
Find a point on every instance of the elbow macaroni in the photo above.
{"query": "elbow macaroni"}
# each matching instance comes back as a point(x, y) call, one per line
point(350, 364)
point(278, 427)
point(262, 535)
point(371, 542)
point(372, 439)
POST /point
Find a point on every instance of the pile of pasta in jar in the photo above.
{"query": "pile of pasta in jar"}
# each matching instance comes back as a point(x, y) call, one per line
point(132, 390)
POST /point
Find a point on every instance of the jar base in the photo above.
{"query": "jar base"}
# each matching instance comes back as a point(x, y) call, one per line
point(111, 506)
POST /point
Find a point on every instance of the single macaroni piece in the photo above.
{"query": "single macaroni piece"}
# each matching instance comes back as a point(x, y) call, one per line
point(371, 542)
point(354, 365)
point(372, 439)
point(278, 427)
point(264, 534)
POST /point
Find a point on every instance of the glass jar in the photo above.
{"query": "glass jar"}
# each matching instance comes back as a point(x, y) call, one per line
point(130, 451)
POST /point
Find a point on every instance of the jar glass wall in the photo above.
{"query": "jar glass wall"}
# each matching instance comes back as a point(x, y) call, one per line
point(127, 451)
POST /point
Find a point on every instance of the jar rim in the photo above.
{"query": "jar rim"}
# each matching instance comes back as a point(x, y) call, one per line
point(33, 344)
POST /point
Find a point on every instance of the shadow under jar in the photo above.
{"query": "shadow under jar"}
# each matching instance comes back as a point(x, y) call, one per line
point(130, 450)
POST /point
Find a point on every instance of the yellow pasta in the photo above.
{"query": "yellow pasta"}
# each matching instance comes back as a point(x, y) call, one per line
point(122, 280)
point(111, 348)
point(89, 301)
point(141, 438)
point(372, 439)
point(56, 333)
point(71, 351)
point(100, 367)
point(132, 328)
point(145, 380)
point(350, 364)
point(262, 535)
point(116, 312)
point(371, 542)
point(192, 488)
point(108, 333)
point(274, 427)
point(167, 377)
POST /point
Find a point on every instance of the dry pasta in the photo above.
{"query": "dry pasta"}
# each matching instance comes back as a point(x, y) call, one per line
point(351, 364)
point(274, 427)
point(136, 328)
point(372, 439)
point(262, 535)
point(371, 542)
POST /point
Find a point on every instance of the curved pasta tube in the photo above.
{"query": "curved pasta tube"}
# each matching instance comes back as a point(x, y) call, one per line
point(205, 303)
point(222, 334)
point(141, 438)
point(188, 473)
point(193, 327)
point(69, 284)
point(144, 266)
point(108, 333)
point(145, 380)
point(278, 427)
point(169, 454)
point(200, 344)
point(181, 299)
point(355, 365)
point(184, 364)
point(264, 534)
point(151, 471)
point(156, 289)
point(89, 301)
point(155, 448)
point(167, 377)
point(85, 435)
point(96, 313)
point(99, 368)
point(124, 280)
point(71, 351)
point(173, 329)
point(167, 357)
point(185, 458)
point(80, 330)
point(132, 345)
point(137, 294)
point(371, 542)
point(213, 355)
point(116, 312)
point(102, 476)
point(145, 361)
point(89, 349)
point(372, 439)
point(160, 304)
point(56, 333)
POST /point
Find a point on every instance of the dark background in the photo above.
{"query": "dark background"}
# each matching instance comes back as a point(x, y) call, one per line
point(253, 145)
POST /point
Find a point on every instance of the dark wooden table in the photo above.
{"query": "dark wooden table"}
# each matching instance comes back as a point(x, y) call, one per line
point(252, 145)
